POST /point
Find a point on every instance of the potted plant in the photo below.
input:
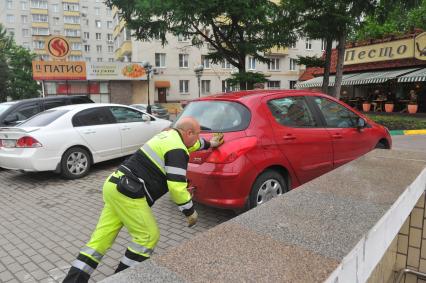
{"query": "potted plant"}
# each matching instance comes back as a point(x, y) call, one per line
point(366, 105)
point(412, 107)
point(389, 105)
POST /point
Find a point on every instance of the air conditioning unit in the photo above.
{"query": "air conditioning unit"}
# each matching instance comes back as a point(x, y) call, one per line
point(83, 14)
point(155, 71)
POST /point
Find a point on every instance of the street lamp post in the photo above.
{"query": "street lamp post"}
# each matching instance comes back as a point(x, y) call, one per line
point(148, 69)
point(198, 72)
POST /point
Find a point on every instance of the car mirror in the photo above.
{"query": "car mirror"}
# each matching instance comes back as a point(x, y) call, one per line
point(146, 118)
point(361, 123)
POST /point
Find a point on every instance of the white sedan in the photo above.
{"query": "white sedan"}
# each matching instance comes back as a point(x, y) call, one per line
point(69, 139)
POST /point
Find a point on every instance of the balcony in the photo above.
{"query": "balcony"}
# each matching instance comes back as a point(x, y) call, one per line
point(40, 25)
point(124, 50)
point(39, 11)
point(277, 50)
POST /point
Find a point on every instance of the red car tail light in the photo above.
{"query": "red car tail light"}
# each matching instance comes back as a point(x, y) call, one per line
point(231, 150)
point(28, 142)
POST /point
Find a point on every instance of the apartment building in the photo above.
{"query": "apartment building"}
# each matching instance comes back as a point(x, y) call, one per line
point(174, 78)
point(87, 24)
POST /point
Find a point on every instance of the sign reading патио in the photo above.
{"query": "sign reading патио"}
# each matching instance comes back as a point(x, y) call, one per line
point(392, 50)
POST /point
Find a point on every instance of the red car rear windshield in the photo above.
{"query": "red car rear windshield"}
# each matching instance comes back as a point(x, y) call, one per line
point(218, 116)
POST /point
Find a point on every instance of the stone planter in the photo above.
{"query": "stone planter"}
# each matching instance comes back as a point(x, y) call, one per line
point(389, 107)
point(366, 107)
point(412, 108)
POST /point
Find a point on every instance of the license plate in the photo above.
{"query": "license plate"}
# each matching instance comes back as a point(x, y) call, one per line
point(8, 143)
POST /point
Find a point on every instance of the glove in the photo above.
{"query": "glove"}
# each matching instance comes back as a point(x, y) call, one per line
point(192, 219)
point(216, 140)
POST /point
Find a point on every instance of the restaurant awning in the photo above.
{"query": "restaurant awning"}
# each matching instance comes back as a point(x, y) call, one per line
point(375, 77)
point(359, 78)
point(162, 84)
point(417, 76)
point(317, 82)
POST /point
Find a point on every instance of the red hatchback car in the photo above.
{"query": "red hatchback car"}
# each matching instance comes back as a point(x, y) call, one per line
point(275, 140)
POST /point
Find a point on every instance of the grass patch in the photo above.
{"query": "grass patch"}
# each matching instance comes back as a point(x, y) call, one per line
point(393, 122)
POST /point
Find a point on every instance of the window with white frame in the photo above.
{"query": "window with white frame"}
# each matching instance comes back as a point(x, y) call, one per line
point(110, 48)
point(293, 64)
point(75, 58)
point(293, 45)
point(251, 63)
point(38, 44)
point(76, 46)
point(227, 87)
point(87, 59)
point(25, 32)
point(205, 61)
point(183, 60)
point(10, 18)
point(292, 84)
point(72, 32)
point(86, 35)
point(39, 4)
point(98, 36)
point(226, 64)
point(109, 37)
point(99, 48)
point(24, 5)
point(274, 64)
point(98, 24)
point(9, 4)
point(55, 8)
point(87, 48)
point(24, 19)
point(108, 12)
point(71, 6)
point(110, 59)
point(97, 11)
point(160, 60)
point(274, 84)
point(184, 86)
point(99, 59)
point(205, 86)
point(40, 31)
point(40, 18)
point(308, 44)
point(109, 24)
point(323, 44)
point(71, 19)
point(182, 38)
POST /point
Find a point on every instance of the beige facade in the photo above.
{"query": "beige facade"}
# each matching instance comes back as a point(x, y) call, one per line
point(174, 65)
point(87, 25)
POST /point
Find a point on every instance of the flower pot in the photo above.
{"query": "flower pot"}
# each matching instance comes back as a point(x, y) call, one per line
point(389, 107)
point(366, 107)
point(412, 108)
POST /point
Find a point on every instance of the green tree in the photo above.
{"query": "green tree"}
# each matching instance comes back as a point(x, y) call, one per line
point(234, 29)
point(5, 45)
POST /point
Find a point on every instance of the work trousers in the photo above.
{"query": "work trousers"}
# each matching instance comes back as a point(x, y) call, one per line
point(119, 210)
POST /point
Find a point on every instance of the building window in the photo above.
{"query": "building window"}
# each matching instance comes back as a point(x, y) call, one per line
point(226, 64)
point(86, 35)
point(293, 45)
point(40, 31)
point(98, 24)
point(308, 44)
point(40, 18)
point(274, 64)
point(160, 60)
point(110, 48)
point(323, 43)
point(97, 11)
point(205, 86)
point(71, 7)
point(109, 24)
point(9, 4)
point(87, 48)
point(98, 36)
point(251, 63)
point(38, 44)
point(183, 60)
point(71, 19)
point(205, 61)
point(25, 32)
point(227, 87)
point(274, 84)
point(75, 58)
point(88, 59)
point(72, 32)
point(293, 64)
point(182, 38)
point(184, 86)
point(108, 12)
point(99, 59)
point(109, 37)
point(24, 5)
point(10, 18)
point(55, 8)
point(110, 59)
point(76, 46)
point(292, 84)
point(38, 4)
point(99, 48)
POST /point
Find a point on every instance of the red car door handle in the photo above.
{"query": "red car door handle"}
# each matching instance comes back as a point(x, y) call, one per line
point(289, 137)
point(337, 136)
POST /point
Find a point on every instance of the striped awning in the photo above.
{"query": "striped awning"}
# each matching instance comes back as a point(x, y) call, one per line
point(317, 82)
point(361, 78)
point(417, 76)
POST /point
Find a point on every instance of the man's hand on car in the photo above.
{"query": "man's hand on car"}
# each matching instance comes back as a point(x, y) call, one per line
point(216, 140)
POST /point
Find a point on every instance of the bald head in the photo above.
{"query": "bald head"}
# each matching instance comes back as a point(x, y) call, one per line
point(189, 129)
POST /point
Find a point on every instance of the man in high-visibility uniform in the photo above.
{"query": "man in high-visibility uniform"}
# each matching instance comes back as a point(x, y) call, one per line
point(128, 193)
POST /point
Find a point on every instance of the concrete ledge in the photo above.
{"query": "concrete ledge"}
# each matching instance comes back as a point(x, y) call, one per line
point(334, 229)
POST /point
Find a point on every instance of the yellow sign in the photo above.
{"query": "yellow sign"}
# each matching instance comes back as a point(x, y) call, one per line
point(420, 46)
point(55, 70)
point(57, 46)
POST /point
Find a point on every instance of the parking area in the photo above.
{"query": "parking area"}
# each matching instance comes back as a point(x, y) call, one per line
point(45, 220)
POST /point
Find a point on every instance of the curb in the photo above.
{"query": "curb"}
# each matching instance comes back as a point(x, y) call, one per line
point(407, 132)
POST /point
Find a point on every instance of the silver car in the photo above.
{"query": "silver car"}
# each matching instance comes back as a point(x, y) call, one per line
point(157, 110)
